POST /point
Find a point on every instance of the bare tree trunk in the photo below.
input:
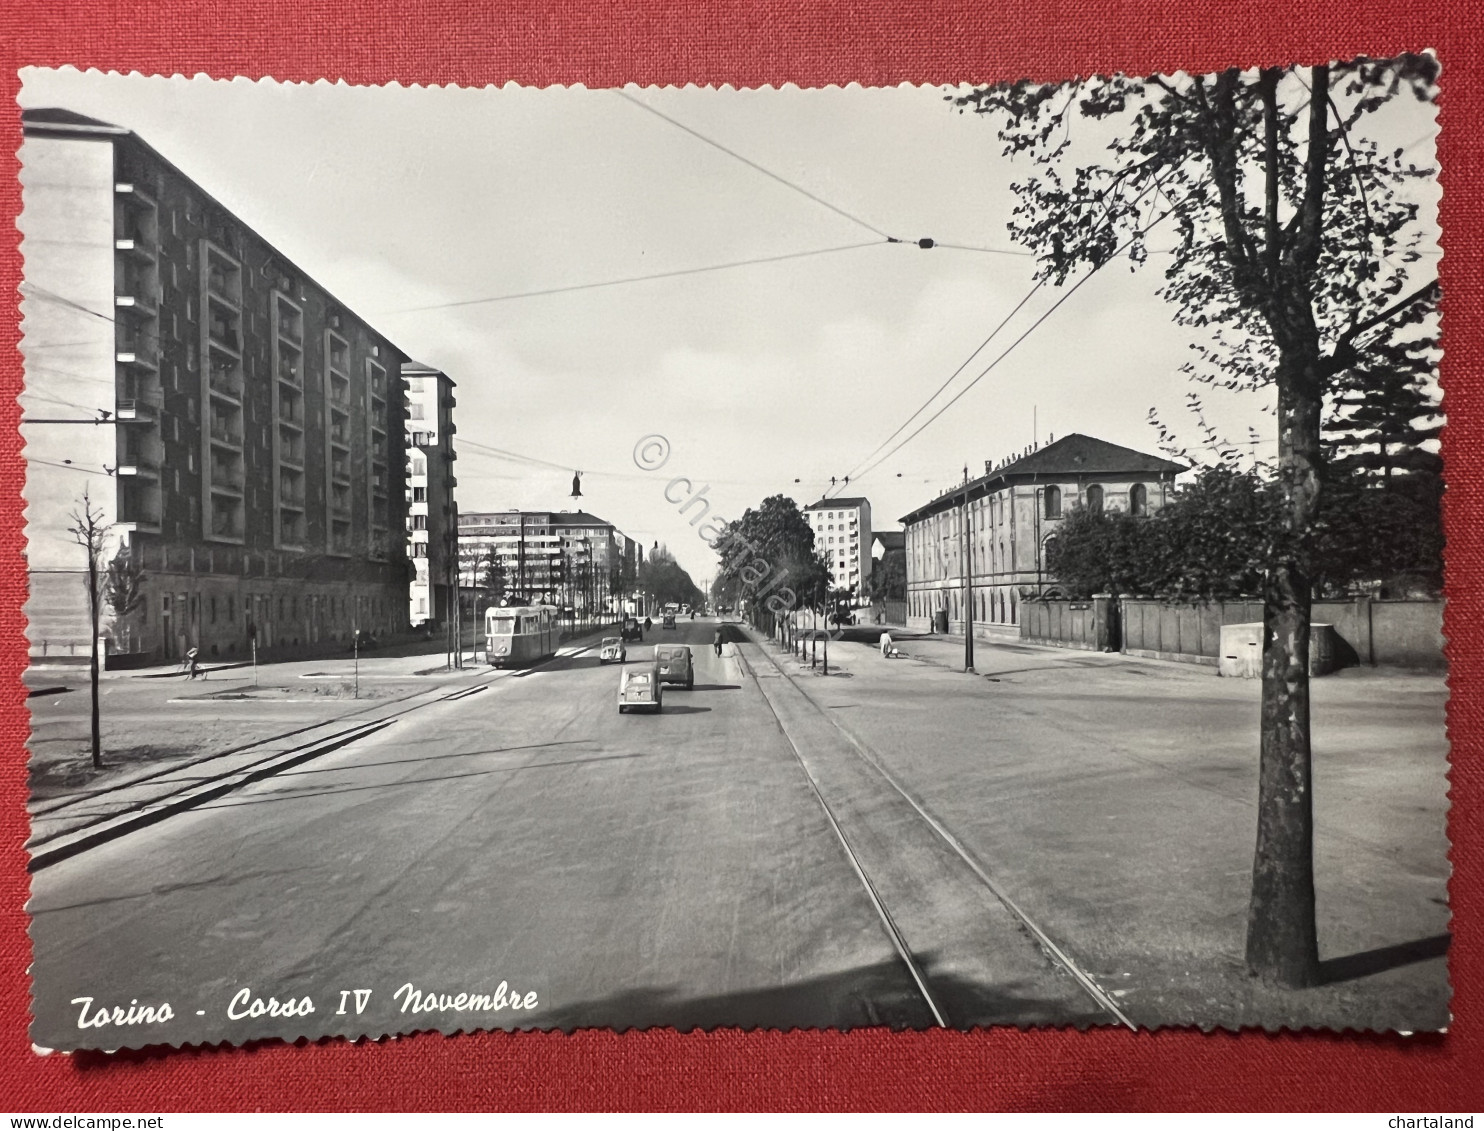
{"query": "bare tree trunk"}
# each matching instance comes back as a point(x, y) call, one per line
point(93, 596)
point(1282, 936)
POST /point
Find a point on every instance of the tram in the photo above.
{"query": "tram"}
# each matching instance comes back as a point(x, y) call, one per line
point(520, 634)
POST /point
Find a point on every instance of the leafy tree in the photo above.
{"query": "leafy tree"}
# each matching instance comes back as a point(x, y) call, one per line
point(1294, 251)
point(769, 554)
point(1383, 411)
point(492, 574)
point(123, 586)
point(888, 580)
point(666, 581)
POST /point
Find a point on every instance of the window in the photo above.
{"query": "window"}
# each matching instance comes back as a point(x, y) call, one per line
point(1053, 502)
point(1095, 499)
point(1138, 499)
point(419, 494)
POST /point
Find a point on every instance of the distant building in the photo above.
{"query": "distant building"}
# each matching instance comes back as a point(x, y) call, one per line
point(432, 515)
point(1012, 512)
point(842, 537)
point(570, 559)
point(251, 451)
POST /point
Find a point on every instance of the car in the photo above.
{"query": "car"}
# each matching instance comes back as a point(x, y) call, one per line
point(632, 629)
point(639, 689)
point(675, 665)
point(612, 649)
point(669, 621)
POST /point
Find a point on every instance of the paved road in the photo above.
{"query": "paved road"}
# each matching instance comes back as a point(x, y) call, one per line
point(894, 844)
point(628, 870)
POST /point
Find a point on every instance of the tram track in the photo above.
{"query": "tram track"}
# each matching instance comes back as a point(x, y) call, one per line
point(123, 819)
point(1053, 953)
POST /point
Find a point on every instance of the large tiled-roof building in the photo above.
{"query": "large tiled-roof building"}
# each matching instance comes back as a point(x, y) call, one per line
point(1003, 520)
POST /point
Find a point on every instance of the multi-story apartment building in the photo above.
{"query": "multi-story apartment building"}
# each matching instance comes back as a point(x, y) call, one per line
point(432, 515)
point(1003, 521)
point(570, 559)
point(842, 537)
point(239, 430)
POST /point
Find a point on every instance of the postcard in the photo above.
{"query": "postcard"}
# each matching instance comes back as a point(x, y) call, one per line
point(787, 558)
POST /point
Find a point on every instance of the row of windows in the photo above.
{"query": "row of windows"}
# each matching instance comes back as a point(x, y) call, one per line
point(997, 606)
point(1138, 500)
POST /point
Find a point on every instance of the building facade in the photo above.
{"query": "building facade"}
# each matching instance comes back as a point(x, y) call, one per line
point(570, 559)
point(239, 431)
point(1000, 524)
point(432, 513)
point(842, 537)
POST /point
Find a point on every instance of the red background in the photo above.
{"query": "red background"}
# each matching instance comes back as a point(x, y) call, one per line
point(710, 41)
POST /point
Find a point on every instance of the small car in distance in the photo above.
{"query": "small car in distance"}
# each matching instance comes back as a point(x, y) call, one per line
point(674, 665)
point(612, 650)
point(632, 629)
point(639, 689)
point(669, 621)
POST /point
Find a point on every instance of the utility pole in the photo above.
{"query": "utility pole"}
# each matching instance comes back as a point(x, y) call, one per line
point(967, 563)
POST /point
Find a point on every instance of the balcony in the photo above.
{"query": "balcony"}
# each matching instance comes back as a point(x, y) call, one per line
point(226, 526)
point(288, 369)
point(132, 195)
point(137, 354)
point(291, 412)
point(136, 247)
point(225, 382)
point(138, 305)
point(138, 465)
point(290, 499)
point(224, 433)
point(136, 410)
point(288, 328)
point(139, 508)
point(223, 335)
point(222, 284)
point(223, 485)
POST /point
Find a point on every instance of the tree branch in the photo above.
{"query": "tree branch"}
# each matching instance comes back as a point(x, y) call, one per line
point(1311, 211)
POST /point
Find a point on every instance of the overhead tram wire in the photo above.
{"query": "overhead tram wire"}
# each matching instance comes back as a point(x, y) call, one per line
point(755, 166)
point(677, 273)
point(854, 472)
point(939, 390)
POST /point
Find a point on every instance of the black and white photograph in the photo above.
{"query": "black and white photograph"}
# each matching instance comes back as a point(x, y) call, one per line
point(922, 556)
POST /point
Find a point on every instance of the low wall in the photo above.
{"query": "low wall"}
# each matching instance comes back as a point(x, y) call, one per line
point(1367, 631)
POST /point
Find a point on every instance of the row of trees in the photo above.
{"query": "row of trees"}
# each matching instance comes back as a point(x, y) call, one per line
point(665, 580)
point(1221, 535)
point(768, 556)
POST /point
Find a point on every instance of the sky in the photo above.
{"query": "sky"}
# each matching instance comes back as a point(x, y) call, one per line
point(415, 206)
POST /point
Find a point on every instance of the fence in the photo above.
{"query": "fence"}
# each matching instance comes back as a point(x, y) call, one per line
point(1371, 632)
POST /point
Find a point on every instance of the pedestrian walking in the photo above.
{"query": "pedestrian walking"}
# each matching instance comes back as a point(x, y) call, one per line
point(886, 645)
point(716, 642)
point(648, 624)
point(192, 659)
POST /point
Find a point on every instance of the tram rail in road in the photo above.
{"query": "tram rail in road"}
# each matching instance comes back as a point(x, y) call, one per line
point(61, 844)
point(921, 976)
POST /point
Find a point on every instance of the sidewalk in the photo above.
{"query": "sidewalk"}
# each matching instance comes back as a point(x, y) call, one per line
point(1114, 799)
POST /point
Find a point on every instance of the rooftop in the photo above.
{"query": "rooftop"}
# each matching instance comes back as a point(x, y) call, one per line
point(853, 501)
point(1075, 456)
